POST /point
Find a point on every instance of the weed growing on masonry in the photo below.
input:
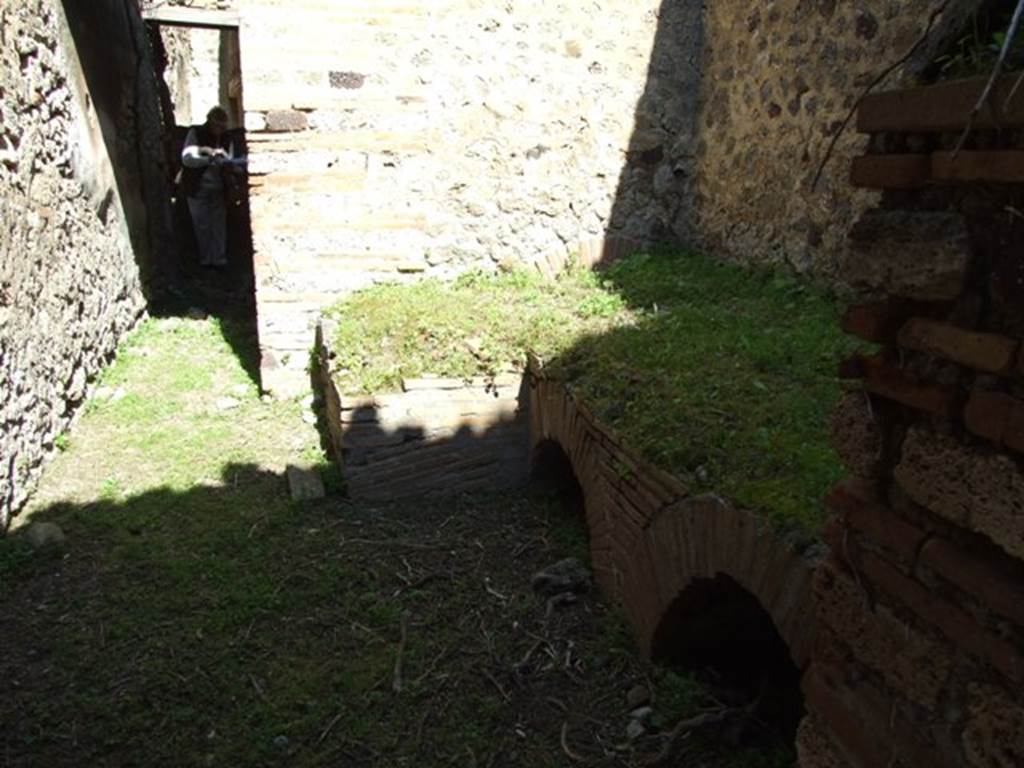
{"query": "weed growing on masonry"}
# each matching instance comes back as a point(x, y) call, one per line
point(723, 376)
point(477, 325)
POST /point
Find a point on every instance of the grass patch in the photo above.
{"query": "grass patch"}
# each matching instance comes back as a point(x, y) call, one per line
point(726, 378)
point(477, 325)
point(722, 376)
point(196, 616)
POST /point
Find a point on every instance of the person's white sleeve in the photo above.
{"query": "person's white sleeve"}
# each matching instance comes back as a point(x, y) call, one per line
point(190, 156)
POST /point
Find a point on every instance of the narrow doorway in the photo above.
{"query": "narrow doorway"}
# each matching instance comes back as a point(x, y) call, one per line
point(197, 56)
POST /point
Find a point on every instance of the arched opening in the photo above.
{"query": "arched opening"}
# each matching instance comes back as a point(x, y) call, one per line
point(551, 471)
point(720, 633)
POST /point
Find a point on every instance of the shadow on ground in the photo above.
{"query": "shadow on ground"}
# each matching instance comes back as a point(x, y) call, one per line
point(226, 625)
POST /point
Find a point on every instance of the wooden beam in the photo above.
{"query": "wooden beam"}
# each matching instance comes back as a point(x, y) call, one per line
point(180, 16)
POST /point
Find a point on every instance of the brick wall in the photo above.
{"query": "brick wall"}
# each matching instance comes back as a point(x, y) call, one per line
point(437, 435)
point(650, 538)
point(921, 655)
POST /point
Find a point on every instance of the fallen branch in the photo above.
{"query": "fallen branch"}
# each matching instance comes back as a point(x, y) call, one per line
point(395, 543)
point(408, 586)
point(521, 664)
point(432, 665)
point(1013, 91)
point(986, 94)
point(257, 687)
point(396, 680)
point(493, 592)
point(558, 703)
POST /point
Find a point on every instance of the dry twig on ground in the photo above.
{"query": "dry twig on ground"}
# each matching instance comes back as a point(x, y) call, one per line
point(565, 744)
point(396, 681)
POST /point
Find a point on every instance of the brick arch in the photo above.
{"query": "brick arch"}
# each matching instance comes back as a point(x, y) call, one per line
point(702, 538)
point(650, 539)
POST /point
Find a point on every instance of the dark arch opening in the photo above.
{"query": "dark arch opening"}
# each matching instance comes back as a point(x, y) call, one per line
point(551, 471)
point(721, 633)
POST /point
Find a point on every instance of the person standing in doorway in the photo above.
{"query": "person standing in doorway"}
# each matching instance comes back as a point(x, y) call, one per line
point(207, 174)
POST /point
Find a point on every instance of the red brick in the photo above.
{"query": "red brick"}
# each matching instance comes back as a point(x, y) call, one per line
point(1005, 167)
point(835, 535)
point(875, 521)
point(941, 107)
point(858, 729)
point(890, 171)
point(955, 623)
point(909, 661)
point(879, 321)
point(852, 367)
point(988, 413)
point(885, 379)
point(868, 724)
point(996, 581)
point(987, 352)
point(1013, 435)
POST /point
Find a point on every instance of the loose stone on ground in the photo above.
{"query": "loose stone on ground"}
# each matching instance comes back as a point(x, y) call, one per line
point(305, 483)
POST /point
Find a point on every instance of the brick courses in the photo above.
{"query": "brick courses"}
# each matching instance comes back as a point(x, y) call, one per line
point(920, 660)
point(989, 352)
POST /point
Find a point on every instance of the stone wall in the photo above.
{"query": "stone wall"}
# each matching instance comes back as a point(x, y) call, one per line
point(728, 163)
point(396, 139)
point(920, 660)
point(177, 73)
point(77, 227)
point(399, 139)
